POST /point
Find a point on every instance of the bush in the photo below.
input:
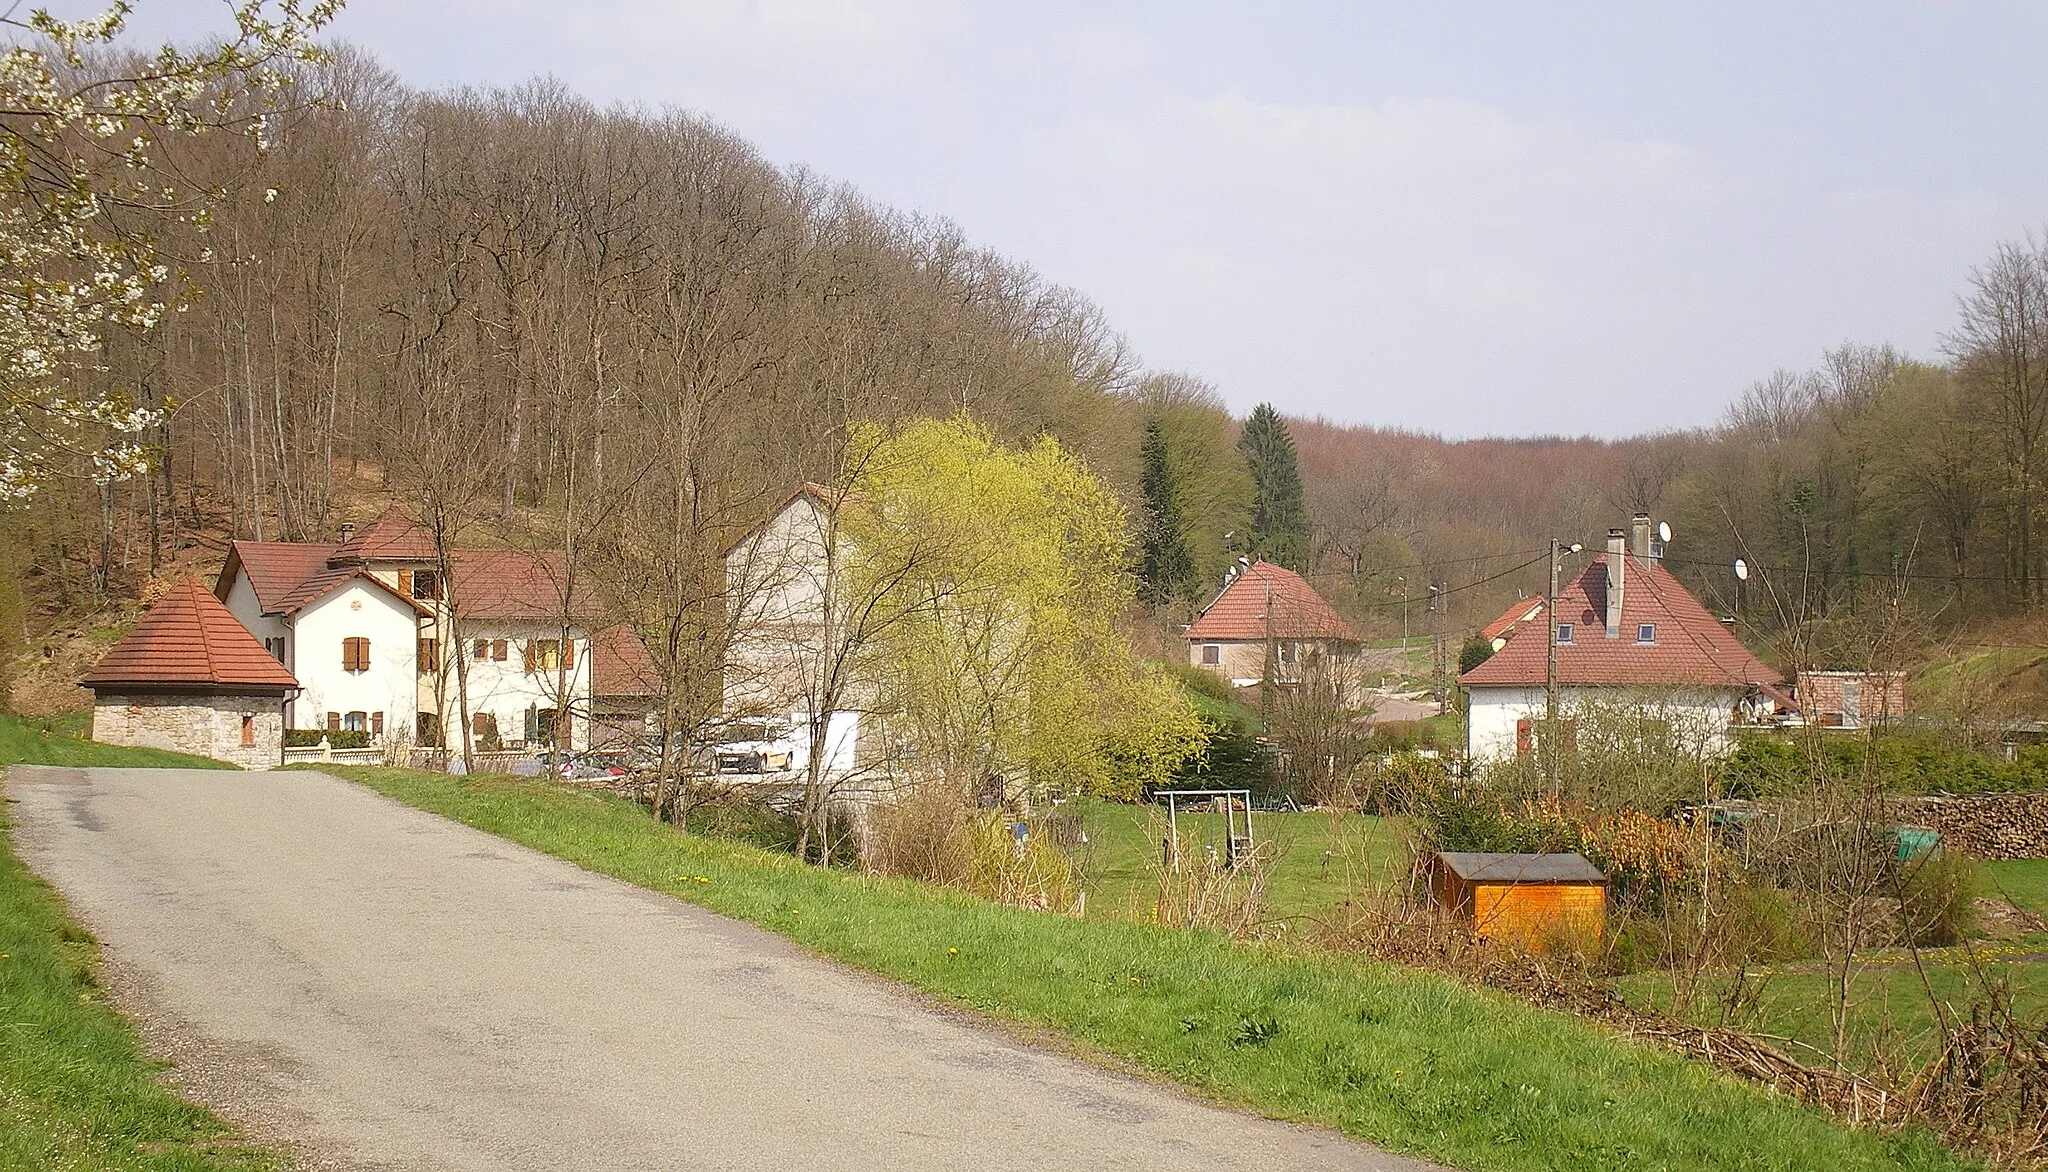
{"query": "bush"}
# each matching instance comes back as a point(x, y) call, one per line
point(1938, 899)
point(936, 836)
point(307, 738)
point(1764, 764)
point(1474, 652)
point(742, 820)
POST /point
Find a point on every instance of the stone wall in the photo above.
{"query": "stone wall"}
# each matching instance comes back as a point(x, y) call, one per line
point(208, 725)
point(1989, 826)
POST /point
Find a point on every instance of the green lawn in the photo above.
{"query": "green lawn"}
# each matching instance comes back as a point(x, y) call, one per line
point(2023, 882)
point(1890, 1008)
point(62, 742)
point(1318, 860)
point(1413, 1061)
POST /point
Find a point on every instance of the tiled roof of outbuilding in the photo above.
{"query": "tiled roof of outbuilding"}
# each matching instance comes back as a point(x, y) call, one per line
point(189, 639)
point(1514, 616)
point(1691, 647)
point(1270, 602)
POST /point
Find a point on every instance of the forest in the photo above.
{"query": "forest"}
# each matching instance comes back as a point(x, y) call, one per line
point(534, 320)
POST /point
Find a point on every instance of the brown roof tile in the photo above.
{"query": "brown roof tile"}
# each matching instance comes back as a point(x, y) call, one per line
point(620, 665)
point(519, 584)
point(391, 537)
point(189, 639)
point(275, 568)
point(1692, 646)
point(1270, 602)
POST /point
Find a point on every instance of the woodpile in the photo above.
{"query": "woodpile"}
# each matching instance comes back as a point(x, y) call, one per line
point(1987, 826)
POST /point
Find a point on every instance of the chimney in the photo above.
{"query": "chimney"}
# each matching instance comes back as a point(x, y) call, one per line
point(1617, 570)
point(1639, 535)
point(348, 530)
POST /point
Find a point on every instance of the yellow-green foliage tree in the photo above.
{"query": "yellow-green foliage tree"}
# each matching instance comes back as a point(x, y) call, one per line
point(1008, 572)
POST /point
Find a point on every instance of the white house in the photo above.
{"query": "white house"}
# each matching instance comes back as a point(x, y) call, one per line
point(371, 633)
point(779, 580)
point(1627, 635)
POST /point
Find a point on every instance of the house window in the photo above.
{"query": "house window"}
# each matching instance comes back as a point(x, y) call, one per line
point(356, 722)
point(355, 654)
point(429, 727)
point(430, 655)
point(1564, 632)
point(501, 650)
point(1287, 652)
point(248, 730)
point(1646, 633)
point(1212, 655)
point(481, 650)
point(549, 654)
point(426, 584)
point(275, 647)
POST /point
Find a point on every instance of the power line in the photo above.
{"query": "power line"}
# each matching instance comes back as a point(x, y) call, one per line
point(1884, 574)
point(1448, 591)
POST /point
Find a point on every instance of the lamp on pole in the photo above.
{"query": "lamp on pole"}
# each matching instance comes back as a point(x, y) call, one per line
point(1548, 744)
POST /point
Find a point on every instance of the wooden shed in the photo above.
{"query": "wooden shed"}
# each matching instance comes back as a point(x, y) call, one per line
point(1531, 900)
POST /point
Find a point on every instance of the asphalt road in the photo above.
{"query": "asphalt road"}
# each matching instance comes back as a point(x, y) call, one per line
point(380, 988)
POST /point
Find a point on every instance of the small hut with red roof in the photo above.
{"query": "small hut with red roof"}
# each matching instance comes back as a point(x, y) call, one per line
point(190, 678)
point(1267, 624)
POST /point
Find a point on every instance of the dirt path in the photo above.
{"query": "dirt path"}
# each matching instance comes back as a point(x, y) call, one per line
point(381, 988)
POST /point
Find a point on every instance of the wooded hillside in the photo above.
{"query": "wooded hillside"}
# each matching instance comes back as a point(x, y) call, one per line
point(532, 320)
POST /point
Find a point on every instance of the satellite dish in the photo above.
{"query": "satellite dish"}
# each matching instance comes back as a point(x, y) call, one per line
point(1664, 532)
point(1741, 570)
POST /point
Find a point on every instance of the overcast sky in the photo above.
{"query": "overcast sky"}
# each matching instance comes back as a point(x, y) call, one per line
point(1467, 218)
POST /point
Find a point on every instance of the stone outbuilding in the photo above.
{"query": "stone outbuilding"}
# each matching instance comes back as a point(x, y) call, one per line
point(191, 678)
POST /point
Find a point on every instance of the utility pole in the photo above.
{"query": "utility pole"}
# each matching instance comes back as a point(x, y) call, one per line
point(1548, 747)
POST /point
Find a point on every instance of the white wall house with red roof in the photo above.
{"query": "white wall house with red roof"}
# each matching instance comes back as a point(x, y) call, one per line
point(374, 636)
point(1268, 623)
point(1630, 641)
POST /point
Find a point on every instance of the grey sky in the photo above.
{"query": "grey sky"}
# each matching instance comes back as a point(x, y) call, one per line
point(1458, 217)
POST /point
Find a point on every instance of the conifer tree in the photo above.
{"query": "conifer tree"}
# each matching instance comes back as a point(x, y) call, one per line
point(1167, 571)
point(1279, 511)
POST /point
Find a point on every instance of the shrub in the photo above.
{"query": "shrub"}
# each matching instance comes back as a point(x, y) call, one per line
point(936, 836)
point(1937, 899)
point(306, 738)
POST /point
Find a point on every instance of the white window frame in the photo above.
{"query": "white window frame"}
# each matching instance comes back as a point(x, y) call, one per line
point(1564, 633)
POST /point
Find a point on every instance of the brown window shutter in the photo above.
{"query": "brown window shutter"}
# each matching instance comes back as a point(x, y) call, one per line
point(568, 654)
point(1524, 734)
point(377, 723)
point(334, 722)
point(502, 650)
point(526, 656)
point(405, 583)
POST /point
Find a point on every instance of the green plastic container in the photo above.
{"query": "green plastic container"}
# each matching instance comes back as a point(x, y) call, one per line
point(1915, 841)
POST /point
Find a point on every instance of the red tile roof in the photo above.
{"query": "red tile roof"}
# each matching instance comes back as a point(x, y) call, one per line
point(275, 568)
point(189, 639)
point(327, 580)
point(620, 666)
point(519, 584)
point(1692, 646)
point(391, 537)
point(1514, 616)
point(1269, 602)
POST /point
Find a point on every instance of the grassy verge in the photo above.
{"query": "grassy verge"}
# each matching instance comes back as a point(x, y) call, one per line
point(75, 1089)
point(1406, 1059)
point(62, 742)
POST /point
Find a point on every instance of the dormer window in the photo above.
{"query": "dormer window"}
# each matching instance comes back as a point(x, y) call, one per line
point(1564, 632)
point(1646, 633)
